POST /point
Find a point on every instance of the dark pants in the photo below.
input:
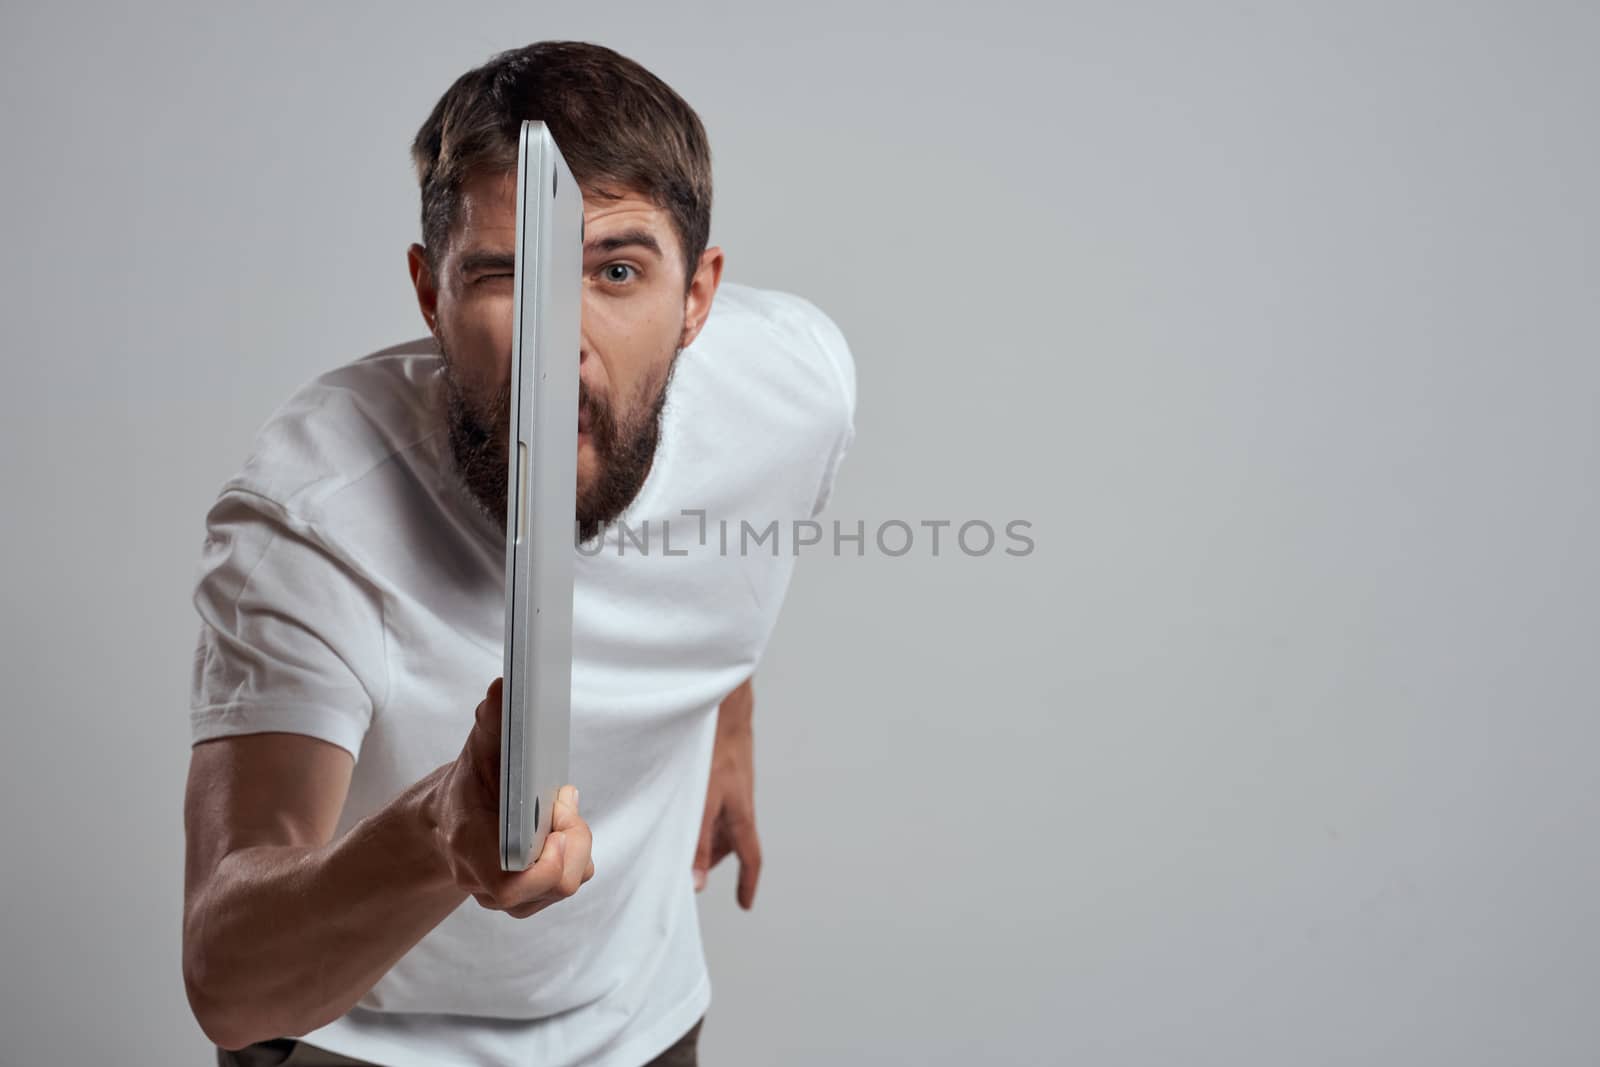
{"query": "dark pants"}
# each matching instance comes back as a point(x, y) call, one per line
point(287, 1052)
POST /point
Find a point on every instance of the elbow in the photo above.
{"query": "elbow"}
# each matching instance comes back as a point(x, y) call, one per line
point(210, 1010)
point(217, 1006)
point(225, 1015)
point(219, 1029)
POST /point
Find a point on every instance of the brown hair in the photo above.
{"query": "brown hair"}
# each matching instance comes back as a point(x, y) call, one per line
point(619, 128)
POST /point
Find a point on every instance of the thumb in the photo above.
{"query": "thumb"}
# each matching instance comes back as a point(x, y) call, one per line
point(482, 749)
point(487, 717)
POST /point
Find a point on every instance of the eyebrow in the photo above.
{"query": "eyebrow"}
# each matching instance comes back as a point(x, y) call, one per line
point(473, 262)
point(627, 238)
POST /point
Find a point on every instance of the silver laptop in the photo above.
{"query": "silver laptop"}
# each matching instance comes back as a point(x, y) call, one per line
point(540, 496)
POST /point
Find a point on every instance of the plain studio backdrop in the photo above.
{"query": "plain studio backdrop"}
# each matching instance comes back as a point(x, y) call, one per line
point(1279, 325)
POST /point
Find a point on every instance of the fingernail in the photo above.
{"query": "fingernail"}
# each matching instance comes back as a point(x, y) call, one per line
point(574, 796)
point(699, 879)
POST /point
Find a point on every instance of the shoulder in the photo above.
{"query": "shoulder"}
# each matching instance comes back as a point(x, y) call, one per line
point(340, 427)
point(785, 339)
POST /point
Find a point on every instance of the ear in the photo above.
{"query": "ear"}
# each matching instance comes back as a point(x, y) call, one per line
point(422, 281)
point(702, 290)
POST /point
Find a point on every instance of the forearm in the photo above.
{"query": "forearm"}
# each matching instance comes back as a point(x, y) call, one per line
point(285, 939)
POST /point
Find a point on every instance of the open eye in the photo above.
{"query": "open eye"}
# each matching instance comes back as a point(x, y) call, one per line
point(607, 272)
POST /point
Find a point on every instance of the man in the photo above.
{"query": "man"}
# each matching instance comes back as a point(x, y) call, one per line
point(342, 877)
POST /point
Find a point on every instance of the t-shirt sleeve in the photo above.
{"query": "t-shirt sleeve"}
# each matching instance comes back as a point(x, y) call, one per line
point(842, 364)
point(291, 636)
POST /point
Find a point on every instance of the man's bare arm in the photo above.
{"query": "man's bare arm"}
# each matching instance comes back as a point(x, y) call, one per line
point(285, 929)
point(729, 822)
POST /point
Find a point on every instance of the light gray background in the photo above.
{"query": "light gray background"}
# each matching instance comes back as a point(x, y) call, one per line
point(1279, 324)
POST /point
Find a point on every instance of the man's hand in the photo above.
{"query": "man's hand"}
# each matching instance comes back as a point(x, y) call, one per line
point(729, 824)
point(466, 820)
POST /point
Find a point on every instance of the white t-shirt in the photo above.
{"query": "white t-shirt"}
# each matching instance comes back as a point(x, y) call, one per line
point(350, 591)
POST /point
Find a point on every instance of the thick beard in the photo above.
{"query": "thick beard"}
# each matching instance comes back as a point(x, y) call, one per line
point(480, 431)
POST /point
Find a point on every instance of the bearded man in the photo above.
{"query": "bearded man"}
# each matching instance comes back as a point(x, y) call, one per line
point(343, 897)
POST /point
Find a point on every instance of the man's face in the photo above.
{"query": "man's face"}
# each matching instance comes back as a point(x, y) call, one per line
point(636, 317)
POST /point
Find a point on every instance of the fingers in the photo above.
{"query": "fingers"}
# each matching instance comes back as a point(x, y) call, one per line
point(564, 864)
point(748, 845)
point(579, 841)
point(721, 842)
point(575, 870)
point(513, 891)
point(540, 885)
point(564, 813)
point(566, 885)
